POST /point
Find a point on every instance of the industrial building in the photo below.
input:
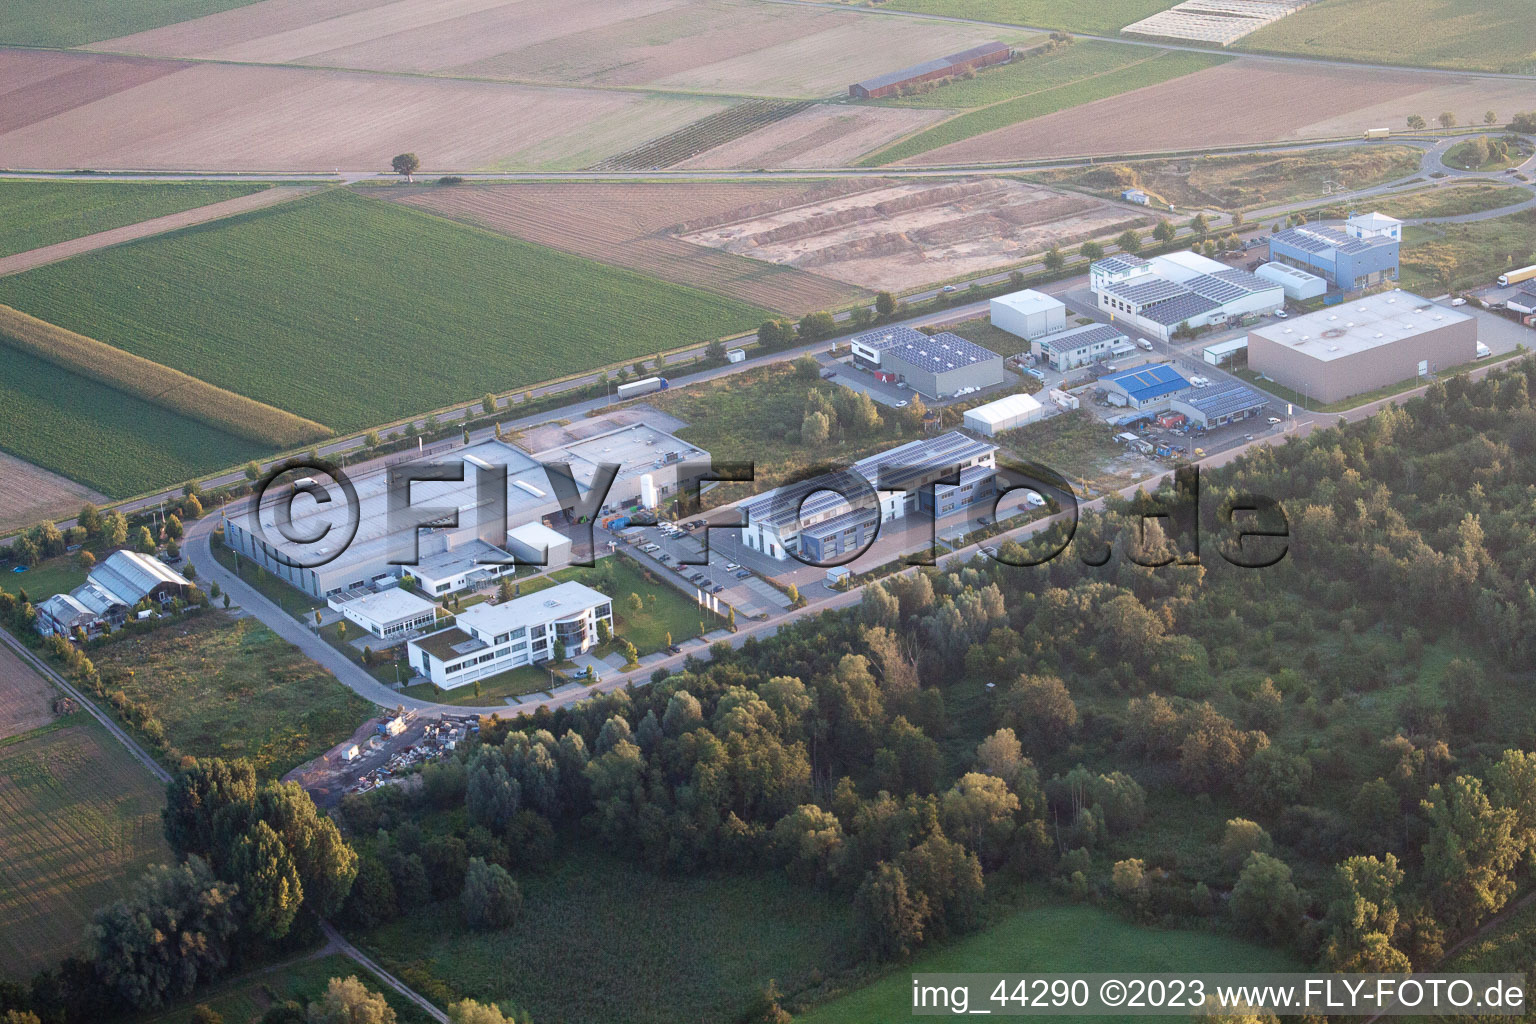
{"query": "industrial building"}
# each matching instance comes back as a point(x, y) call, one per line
point(1009, 413)
point(891, 83)
point(1145, 388)
point(1160, 295)
point(1079, 346)
point(537, 544)
point(941, 365)
point(1365, 253)
point(869, 348)
point(1298, 284)
point(1523, 301)
point(469, 545)
point(388, 614)
point(1233, 352)
point(111, 589)
point(488, 639)
point(1218, 405)
point(1362, 345)
point(829, 516)
point(1028, 314)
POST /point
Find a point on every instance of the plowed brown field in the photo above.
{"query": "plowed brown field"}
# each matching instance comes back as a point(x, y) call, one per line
point(29, 494)
point(631, 225)
point(825, 135)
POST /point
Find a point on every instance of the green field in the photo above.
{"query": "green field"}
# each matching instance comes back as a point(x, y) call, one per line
point(38, 213)
point(76, 22)
point(1160, 67)
point(1438, 257)
point(1025, 76)
point(97, 435)
point(233, 688)
point(1101, 17)
point(603, 940)
point(357, 311)
point(1049, 940)
point(1490, 35)
point(1452, 202)
point(246, 998)
point(79, 820)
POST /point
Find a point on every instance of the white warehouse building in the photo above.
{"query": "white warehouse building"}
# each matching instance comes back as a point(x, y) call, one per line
point(1160, 295)
point(1004, 414)
point(489, 639)
point(386, 614)
point(1297, 283)
point(1028, 314)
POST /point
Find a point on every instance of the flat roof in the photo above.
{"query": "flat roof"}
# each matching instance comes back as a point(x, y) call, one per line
point(1029, 301)
point(388, 606)
point(537, 535)
point(1360, 325)
point(1081, 337)
point(1005, 408)
point(941, 353)
point(1286, 270)
point(449, 644)
point(561, 601)
point(464, 557)
point(1148, 381)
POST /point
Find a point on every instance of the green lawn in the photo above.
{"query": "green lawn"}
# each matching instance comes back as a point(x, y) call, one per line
point(355, 311)
point(97, 435)
point(233, 688)
point(1154, 67)
point(1452, 202)
point(79, 821)
point(1492, 35)
point(1100, 17)
point(1462, 156)
point(247, 997)
point(76, 22)
point(38, 213)
point(1047, 940)
point(604, 940)
point(670, 611)
point(1441, 256)
point(513, 683)
point(1025, 76)
point(56, 575)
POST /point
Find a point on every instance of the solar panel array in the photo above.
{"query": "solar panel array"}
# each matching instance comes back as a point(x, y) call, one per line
point(1321, 239)
point(1224, 401)
point(1180, 308)
point(1118, 264)
point(941, 352)
point(1143, 291)
point(1079, 337)
point(886, 337)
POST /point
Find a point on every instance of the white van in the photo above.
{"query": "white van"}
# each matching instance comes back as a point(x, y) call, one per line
point(1144, 343)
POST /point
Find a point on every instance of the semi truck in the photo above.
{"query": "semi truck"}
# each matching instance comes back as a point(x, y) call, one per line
point(642, 387)
point(1377, 133)
point(1516, 276)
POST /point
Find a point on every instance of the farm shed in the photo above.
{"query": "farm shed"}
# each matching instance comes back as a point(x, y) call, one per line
point(1004, 414)
point(1028, 314)
point(890, 83)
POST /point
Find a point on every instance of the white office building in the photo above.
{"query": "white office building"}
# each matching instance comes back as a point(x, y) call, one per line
point(1160, 295)
point(387, 614)
point(489, 639)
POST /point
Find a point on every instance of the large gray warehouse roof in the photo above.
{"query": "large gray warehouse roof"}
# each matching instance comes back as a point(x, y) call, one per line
point(1224, 400)
point(1321, 239)
point(941, 353)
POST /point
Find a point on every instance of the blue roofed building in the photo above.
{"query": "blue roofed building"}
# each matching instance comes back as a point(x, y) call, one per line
point(1363, 254)
point(1144, 388)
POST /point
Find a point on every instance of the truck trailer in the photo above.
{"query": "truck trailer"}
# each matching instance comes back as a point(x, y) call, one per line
point(1378, 133)
point(642, 387)
point(1516, 276)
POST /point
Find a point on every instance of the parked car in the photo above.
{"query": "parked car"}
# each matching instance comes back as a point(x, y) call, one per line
point(731, 567)
point(1033, 500)
point(1281, 314)
point(1274, 420)
point(716, 588)
point(1143, 343)
point(949, 289)
point(743, 574)
point(696, 523)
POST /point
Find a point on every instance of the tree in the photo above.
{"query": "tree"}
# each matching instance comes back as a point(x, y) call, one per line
point(1039, 710)
point(1490, 117)
point(253, 470)
point(270, 891)
point(143, 541)
point(1525, 123)
point(491, 899)
point(1053, 259)
point(1091, 251)
point(1470, 852)
point(1447, 119)
point(1242, 838)
point(467, 1011)
point(1265, 898)
point(888, 914)
point(202, 1013)
point(1200, 226)
point(1417, 123)
point(815, 326)
point(348, 1001)
point(1164, 232)
point(173, 528)
point(1363, 918)
point(775, 334)
point(405, 165)
point(169, 935)
point(885, 303)
point(807, 369)
point(85, 560)
point(196, 795)
point(1129, 241)
point(815, 429)
point(114, 529)
point(89, 520)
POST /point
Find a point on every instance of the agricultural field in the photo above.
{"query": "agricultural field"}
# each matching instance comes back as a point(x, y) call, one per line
point(79, 820)
point(98, 436)
point(1052, 939)
point(1245, 182)
point(30, 493)
point(632, 225)
point(38, 213)
point(69, 109)
point(716, 129)
point(610, 941)
point(232, 688)
point(1099, 17)
point(1444, 256)
point(246, 998)
point(902, 235)
point(1025, 76)
point(337, 265)
point(822, 135)
point(26, 699)
point(1452, 202)
point(75, 22)
point(1139, 73)
point(1491, 35)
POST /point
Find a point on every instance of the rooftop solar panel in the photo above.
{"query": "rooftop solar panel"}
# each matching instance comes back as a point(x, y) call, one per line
point(1144, 290)
point(1179, 309)
point(1224, 401)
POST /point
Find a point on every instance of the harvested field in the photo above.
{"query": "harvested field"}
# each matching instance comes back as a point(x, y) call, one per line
point(229, 117)
point(1101, 17)
point(824, 135)
point(630, 225)
point(30, 493)
point(26, 699)
point(909, 234)
point(706, 133)
point(1240, 102)
point(152, 382)
point(1467, 98)
point(79, 821)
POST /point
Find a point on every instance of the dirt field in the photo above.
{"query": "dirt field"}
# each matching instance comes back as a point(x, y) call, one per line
point(1241, 102)
point(25, 698)
point(29, 494)
point(907, 234)
point(229, 117)
point(1467, 98)
point(822, 136)
point(716, 45)
point(155, 226)
point(631, 225)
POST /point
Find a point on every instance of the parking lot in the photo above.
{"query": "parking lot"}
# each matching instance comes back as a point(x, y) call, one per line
point(672, 550)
